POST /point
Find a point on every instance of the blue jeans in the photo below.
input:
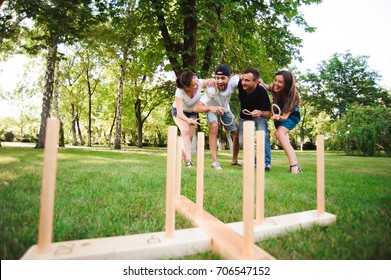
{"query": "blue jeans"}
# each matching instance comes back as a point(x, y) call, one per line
point(260, 124)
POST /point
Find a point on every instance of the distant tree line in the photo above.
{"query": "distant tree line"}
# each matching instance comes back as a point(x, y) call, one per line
point(108, 68)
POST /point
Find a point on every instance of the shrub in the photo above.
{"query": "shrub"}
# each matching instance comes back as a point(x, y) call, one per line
point(28, 138)
point(309, 146)
point(9, 136)
point(364, 131)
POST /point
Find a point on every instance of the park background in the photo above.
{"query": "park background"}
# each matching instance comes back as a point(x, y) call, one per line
point(107, 71)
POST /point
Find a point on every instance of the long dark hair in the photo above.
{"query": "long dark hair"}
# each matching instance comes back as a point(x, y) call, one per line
point(289, 95)
point(184, 80)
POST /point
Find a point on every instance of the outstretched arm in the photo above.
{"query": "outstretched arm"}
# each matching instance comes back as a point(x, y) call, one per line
point(202, 108)
point(268, 87)
point(208, 82)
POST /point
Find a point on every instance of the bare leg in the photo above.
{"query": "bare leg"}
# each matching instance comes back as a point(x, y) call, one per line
point(235, 155)
point(187, 132)
point(283, 137)
point(214, 127)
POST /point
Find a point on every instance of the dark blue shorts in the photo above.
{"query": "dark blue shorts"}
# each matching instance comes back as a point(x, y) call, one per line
point(187, 114)
point(291, 122)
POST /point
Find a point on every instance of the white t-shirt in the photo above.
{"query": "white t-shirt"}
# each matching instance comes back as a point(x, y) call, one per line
point(222, 97)
point(188, 103)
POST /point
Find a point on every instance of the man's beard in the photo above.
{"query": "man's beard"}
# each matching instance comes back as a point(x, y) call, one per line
point(225, 87)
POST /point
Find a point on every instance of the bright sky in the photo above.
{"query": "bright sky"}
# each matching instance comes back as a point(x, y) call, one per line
point(361, 26)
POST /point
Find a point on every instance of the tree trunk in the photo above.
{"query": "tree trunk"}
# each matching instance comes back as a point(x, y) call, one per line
point(79, 130)
point(190, 31)
point(302, 127)
point(61, 143)
point(171, 50)
point(137, 111)
point(125, 56)
point(56, 98)
point(89, 110)
point(48, 94)
point(74, 139)
point(90, 93)
point(112, 128)
point(117, 134)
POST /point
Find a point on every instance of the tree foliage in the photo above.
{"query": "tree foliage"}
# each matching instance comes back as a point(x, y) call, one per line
point(131, 42)
point(364, 130)
point(342, 80)
point(52, 23)
point(197, 35)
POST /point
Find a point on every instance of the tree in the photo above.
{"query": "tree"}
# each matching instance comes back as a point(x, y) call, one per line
point(91, 85)
point(364, 130)
point(147, 99)
point(178, 35)
point(53, 22)
point(73, 89)
point(148, 88)
point(198, 35)
point(119, 37)
point(192, 31)
point(341, 81)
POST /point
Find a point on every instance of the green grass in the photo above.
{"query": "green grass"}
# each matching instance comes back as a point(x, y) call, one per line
point(103, 193)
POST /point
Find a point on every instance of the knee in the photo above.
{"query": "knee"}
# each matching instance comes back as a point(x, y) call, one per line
point(277, 133)
point(214, 128)
point(280, 134)
point(185, 131)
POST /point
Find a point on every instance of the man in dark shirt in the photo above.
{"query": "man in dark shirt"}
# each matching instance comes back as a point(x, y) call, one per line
point(254, 106)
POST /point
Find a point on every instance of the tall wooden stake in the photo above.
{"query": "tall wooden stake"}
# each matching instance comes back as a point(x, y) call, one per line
point(170, 181)
point(260, 178)
point(320, 199)
point(200, 173)
point(248, 188)
point(48, 186)
point(178, 173)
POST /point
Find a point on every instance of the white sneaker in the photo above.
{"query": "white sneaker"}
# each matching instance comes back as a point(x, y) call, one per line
point(216, 166)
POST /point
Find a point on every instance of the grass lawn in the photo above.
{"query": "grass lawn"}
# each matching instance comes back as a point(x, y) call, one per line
point(101, 192)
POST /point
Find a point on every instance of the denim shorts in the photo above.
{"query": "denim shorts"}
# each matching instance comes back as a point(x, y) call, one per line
point(227, 118)
point(187, 114)
point(291, 122)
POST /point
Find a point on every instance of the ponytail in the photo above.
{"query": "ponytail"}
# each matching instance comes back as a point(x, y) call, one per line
point(184, 80)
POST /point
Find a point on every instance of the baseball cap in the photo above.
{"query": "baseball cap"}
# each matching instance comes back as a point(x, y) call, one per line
point(223, 70)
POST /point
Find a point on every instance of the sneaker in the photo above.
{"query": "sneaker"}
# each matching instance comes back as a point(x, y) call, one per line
point(268, 167)
point(189, 164)
point(237, 164)
point(216, 166)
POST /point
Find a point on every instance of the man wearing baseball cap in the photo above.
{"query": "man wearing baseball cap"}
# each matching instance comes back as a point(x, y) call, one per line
point(216, 105)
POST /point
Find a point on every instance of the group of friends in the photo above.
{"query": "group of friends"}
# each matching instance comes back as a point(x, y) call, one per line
point(254, 106)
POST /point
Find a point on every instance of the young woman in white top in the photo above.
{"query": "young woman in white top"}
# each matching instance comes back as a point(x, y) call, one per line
point(187, 94)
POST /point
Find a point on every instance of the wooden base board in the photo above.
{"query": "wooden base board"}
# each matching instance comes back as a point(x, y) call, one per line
point(130, 247)
point(280, 225)
point(226, 242)
point(185, 242)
